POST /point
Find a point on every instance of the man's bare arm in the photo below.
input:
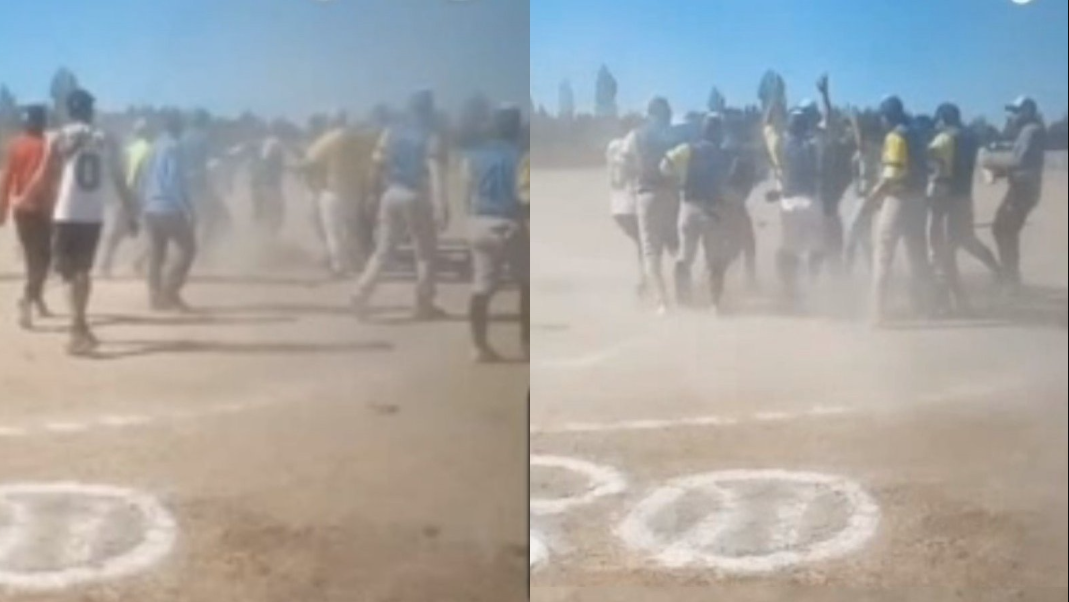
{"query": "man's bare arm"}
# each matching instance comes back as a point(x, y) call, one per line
point(827, 109)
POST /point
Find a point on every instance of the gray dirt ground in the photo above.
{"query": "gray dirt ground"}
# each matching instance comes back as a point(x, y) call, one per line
point(361, 462)
point(956, 429)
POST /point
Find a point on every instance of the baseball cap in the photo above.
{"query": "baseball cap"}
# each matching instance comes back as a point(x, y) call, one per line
point(1022, 104)
point(79, 101)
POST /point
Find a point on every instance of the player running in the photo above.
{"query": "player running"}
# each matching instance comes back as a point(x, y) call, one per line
point(497, 228)
point(797, 156)
point(707, 219)
point(409, 161)
point(953, 154)
point(116, 231)
point(267, 170)
point(1023, 168)
point(90, 170)
point(622, 203)
point(26, 191)
point(339, 163)
point(168, 212)
point(657, 200)
point(903, 211)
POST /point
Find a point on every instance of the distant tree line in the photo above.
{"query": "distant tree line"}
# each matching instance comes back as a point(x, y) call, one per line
point(227, 131)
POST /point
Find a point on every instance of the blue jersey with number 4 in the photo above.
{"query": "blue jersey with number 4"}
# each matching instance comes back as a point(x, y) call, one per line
point(493, 168)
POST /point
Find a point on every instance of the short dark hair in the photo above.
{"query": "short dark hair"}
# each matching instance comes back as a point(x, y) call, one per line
point(80, 104)
point(35, 118)
point(949, 113)
point(508, 121)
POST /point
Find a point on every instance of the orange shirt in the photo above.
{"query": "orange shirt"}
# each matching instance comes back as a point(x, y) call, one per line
point(24, 158)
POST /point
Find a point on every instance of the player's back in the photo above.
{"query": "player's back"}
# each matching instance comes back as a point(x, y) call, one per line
point(345, 156)
point(84, 154)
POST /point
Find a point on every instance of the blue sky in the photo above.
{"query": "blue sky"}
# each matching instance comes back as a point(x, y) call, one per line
point(272, 56)
point(980, 53)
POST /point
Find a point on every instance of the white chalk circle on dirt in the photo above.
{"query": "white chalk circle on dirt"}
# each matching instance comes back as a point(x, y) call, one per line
point(55, 536)
point(602, 481)
point(758, 522)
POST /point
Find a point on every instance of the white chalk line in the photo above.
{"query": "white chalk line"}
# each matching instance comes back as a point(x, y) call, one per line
point(603, 481)
point(84, 534)
point(159, 535)
point(68, 427)
point(591, 359)
point(952, 394)
point(694, 422)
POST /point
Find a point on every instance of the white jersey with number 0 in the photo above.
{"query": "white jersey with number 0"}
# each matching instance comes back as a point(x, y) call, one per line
point(87, 163)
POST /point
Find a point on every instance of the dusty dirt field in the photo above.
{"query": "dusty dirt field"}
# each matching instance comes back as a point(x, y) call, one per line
point(302, 456)
point(942, 445)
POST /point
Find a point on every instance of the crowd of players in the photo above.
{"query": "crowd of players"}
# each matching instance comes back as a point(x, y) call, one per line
point(681, 188)
point(72, 186)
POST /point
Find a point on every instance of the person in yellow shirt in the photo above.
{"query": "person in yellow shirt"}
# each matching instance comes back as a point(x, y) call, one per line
point(903, 212)
point(136, 155)
point(952, 155)
point(339, 164)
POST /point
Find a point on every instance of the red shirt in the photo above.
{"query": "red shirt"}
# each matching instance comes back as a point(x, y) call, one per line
point(24, 158)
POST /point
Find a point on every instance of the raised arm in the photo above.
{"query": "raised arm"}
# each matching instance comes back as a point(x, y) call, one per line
point(830, 120)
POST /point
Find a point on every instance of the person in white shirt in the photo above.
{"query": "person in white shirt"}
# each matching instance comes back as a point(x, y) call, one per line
point(622, 202)
point(90, 169)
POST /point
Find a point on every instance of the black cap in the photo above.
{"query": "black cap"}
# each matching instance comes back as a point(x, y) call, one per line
point(80, 102)
point(1023, 105)
point(34, 117)
point(948, 113)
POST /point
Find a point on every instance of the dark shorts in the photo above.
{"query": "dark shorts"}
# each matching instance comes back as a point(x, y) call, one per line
point(75, 248)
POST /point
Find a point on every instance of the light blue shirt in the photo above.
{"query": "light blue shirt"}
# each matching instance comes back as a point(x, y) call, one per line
point(164, 185)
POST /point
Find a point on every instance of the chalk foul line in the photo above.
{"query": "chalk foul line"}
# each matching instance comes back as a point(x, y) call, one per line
point(693, 422)
point(953, 394)
point(113, 422)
